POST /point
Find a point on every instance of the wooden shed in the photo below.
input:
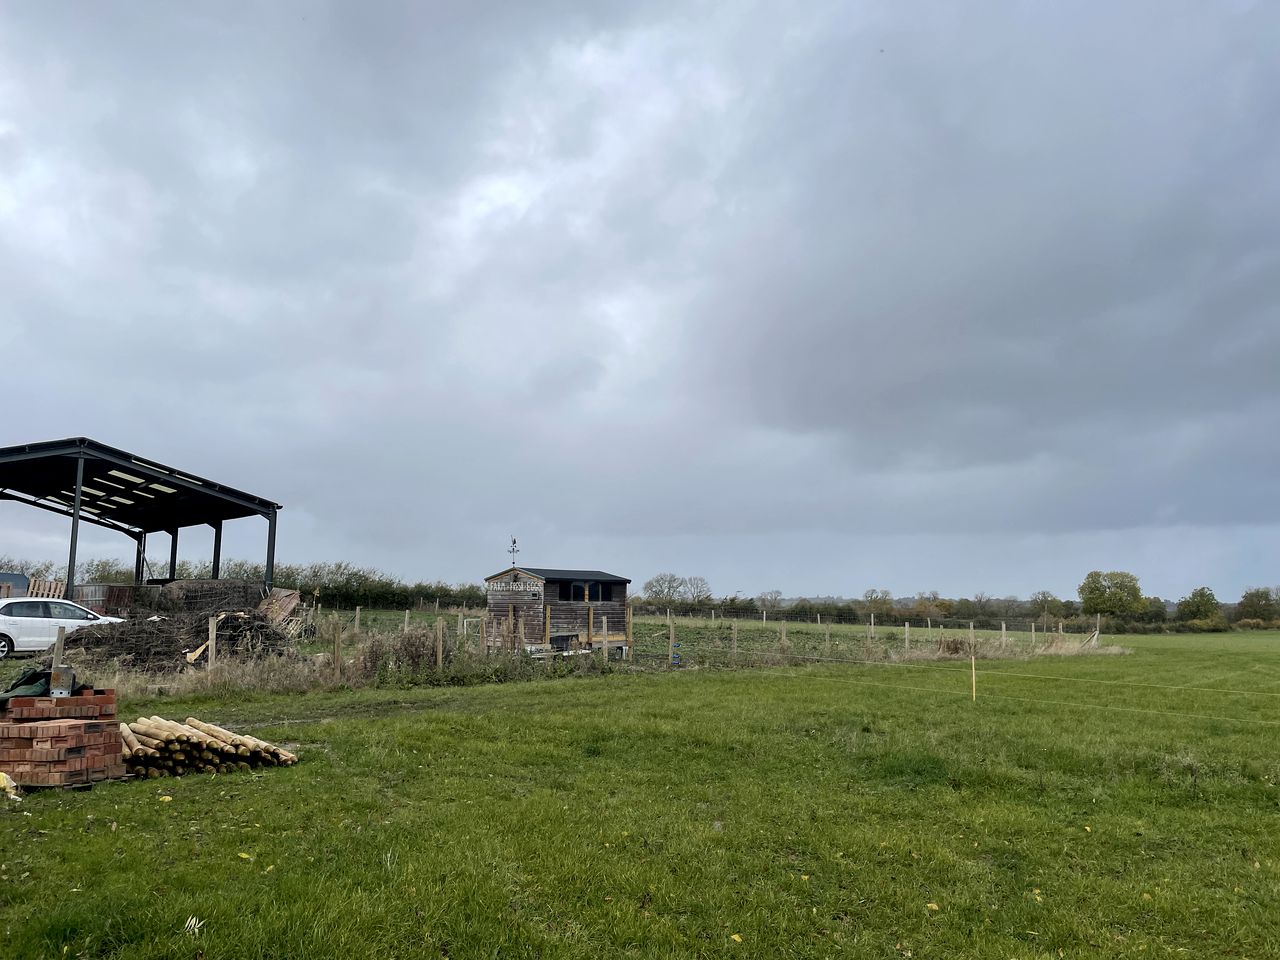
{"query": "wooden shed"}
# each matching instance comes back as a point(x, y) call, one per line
point(540, 609)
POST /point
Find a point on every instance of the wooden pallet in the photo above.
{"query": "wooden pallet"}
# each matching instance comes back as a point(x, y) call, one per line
point(47, 589)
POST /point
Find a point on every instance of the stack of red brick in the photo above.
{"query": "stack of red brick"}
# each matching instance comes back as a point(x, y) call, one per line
point(61, 741)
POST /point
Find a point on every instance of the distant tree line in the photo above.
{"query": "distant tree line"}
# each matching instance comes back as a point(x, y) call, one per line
point(1114, 599)
point(338, 584)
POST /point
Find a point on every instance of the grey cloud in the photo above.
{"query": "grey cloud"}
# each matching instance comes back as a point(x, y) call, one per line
point(742, 289)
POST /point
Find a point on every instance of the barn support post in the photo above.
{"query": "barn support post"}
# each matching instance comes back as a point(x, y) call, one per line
point(69, 591)
point(173, 554)
point(217, 549)
point(140, 561)
point(591, 624)
point(269, 576)
point(604, 643)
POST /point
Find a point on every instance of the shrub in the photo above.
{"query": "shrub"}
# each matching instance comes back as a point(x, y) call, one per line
point(1208, 624)
point(1250, 623)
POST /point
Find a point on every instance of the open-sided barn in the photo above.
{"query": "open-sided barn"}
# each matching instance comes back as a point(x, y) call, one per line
point(543, 609)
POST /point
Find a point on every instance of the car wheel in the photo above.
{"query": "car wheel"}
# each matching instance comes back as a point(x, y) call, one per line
point(6, 646)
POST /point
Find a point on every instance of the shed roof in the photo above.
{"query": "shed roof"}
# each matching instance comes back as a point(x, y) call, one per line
point(552, 573)
point(120, 490)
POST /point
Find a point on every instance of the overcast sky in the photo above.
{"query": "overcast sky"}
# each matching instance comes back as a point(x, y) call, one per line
point(816, 297)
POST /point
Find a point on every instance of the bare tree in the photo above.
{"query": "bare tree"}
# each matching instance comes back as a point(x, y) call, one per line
point(664, 588)
point(697, 590)
point(770, 600)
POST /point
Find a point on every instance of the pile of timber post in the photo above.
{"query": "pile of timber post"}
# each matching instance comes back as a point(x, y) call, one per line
point(155, 747)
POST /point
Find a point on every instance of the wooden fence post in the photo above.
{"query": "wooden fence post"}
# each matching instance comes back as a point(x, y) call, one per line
point(827, 646)
point(1061, 635)
point(357, 619)
point(439, 644)
point(873, 627)
point(406, 621)
point(906, 641)
point(1003, 635)
point(1033, 633)
point(971, 640)
point(591, 624)
point(671, 641)
point(630, 638)
point(604, 644)
point(213, 641)
point(61, 640)
point(973, 676)
point(546, 624)
point(337, 648)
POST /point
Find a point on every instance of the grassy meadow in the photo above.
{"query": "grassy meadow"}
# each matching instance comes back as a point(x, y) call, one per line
point(1107, 806)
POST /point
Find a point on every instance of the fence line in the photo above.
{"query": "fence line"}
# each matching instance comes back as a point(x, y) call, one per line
point(1060, 703)
point(1036, 676)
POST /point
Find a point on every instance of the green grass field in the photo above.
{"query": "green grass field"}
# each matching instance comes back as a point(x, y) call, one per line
point(822, 811)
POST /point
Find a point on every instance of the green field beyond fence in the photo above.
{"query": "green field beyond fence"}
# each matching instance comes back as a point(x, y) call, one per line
point(1083, 806)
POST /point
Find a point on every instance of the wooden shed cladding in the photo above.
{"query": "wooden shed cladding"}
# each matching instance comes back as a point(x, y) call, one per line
point(543, 606)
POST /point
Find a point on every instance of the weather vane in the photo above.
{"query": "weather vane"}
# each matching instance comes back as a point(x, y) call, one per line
point(513, 550)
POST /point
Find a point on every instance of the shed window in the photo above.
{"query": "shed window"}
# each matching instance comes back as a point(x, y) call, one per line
point(601, 591)
point(579, 591)
point(565, 590)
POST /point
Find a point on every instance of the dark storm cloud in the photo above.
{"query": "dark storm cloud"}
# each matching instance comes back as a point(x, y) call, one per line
point(740, 289)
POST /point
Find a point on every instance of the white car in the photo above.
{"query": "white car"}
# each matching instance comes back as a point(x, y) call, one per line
point(28, 625)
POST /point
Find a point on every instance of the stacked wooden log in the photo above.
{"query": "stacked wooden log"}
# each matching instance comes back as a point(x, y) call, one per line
point(156, 747)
